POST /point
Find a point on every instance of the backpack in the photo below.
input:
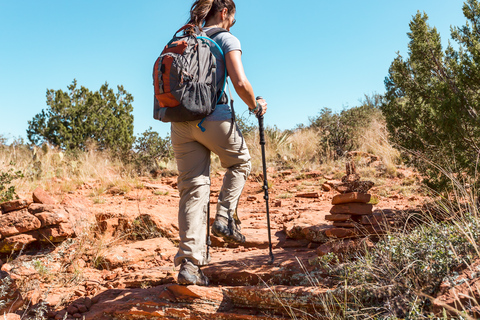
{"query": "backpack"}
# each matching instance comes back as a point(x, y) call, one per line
point(184, 77)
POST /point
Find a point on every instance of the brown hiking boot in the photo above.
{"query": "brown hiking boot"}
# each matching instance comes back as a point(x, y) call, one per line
point(229, 230)
point(191, 274)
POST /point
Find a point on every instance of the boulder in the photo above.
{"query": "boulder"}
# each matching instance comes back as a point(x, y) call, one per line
point(56, 233)
point(18, 222)
point(164, 223)
point(14, 205)
point(35, 208)
point(16, 242)
point(56, 216)
point(41, 196)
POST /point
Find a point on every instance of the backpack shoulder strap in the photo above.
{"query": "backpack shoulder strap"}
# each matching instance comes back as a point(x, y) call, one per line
point(210, 33)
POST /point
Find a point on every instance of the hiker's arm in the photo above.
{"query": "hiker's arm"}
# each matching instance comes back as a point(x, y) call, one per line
point(240, 82)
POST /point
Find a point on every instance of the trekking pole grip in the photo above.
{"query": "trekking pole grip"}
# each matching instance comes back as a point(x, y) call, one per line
point(260, 126)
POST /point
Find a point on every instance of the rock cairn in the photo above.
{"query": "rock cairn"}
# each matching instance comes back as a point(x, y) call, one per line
point(23, 222)
point(352, 213)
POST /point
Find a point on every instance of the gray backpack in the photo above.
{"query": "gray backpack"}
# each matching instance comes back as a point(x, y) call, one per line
point(184, 76)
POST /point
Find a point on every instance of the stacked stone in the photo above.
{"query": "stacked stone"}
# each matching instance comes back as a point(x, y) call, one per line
point(353, 215)
point(23, 222)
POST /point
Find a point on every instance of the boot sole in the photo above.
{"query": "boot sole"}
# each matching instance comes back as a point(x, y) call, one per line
point(226, 238)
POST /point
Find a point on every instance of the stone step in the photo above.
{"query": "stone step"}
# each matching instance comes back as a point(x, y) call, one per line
point(174, 301)
point(292, 266)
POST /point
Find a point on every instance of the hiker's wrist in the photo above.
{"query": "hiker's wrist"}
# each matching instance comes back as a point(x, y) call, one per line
point(256, 108)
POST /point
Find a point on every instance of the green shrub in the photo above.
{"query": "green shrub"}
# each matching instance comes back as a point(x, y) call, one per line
point(432, 106)
point(7, 190)
point(149, 150)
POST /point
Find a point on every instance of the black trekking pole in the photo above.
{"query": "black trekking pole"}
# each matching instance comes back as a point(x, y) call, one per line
point(265, 182)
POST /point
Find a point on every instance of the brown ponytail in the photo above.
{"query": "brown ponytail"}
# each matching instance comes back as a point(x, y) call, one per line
point(202, 10)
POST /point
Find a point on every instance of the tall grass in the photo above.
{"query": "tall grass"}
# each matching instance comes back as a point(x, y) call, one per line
point(402, 274)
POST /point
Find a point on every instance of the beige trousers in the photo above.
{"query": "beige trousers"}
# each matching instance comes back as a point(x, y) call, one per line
point(192, 149)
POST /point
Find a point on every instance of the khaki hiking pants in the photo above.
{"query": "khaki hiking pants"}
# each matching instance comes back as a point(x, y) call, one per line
point(192, 149)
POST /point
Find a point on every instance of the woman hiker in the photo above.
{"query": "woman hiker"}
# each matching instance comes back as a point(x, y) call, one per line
point(192, 148)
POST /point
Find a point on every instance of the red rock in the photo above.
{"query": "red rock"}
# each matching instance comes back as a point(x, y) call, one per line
point(11, 316)
point(278, 203)
point(326, 187)
point(41, 196)
point(351, 197)
point(129, 254)
point(161, 222)
point(109, 226)
point(18, 222)
point(56, 233)
point(316, 233)
point(352, 208)
point(459, 293)
point(340, 233)
point(344, 224)
point(251, 198)
point(56, 216)
point(338, 217)
point(308, 195)
point(14, 205)
point(35, 208)
point(12, 297)
point(16, 242)
point(72, 309)
point(374, 219)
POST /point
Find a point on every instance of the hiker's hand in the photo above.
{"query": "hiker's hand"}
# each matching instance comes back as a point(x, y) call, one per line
point(261, 107)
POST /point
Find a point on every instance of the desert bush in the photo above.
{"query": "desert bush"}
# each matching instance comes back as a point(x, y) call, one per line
point(7, 190)
point(151, 152)
point(338, 132)
point(401, 275)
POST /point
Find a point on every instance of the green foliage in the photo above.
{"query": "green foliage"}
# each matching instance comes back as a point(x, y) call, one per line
point(394, 277)
point(78, 117)
point(7, 191)
point(149, 150)
point(339, 131)
point(432, 106)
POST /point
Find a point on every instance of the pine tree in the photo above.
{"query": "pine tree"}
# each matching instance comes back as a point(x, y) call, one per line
point(432, 105)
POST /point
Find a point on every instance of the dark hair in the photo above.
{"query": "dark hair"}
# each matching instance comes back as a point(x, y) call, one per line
point(202, 10)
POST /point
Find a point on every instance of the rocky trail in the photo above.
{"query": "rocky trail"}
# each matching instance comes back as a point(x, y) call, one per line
point(122, 268)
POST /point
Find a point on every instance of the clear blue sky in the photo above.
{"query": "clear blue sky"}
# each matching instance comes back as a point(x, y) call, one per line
point(300, 55)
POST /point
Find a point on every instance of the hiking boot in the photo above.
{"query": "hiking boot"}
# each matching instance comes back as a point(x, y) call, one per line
point(191, 274)
point(229, 230)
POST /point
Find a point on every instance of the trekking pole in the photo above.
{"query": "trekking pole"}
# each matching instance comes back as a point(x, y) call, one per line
point(265, 182)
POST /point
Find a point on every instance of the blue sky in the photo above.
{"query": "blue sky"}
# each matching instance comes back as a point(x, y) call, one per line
point(300, 55)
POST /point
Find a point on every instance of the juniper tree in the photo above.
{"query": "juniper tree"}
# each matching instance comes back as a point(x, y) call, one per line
point(79, 116)
point(431, 102)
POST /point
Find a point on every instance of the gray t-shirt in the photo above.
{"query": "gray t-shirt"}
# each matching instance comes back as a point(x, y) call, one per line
point(227, 42)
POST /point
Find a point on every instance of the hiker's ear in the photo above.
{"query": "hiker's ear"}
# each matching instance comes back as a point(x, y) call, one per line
point(224, 13)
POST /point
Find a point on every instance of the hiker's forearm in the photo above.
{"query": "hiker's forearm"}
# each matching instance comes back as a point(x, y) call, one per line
point(239, 79)
point(245, 92)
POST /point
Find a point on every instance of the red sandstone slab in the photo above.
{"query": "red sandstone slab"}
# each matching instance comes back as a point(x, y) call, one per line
point(354, 197)
point(352, 208)
point(14, 205)
point(308, 195)
point(344, 224)
point(340, 233)
point(41, 196)
point(338, 217)
point(18, 222)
